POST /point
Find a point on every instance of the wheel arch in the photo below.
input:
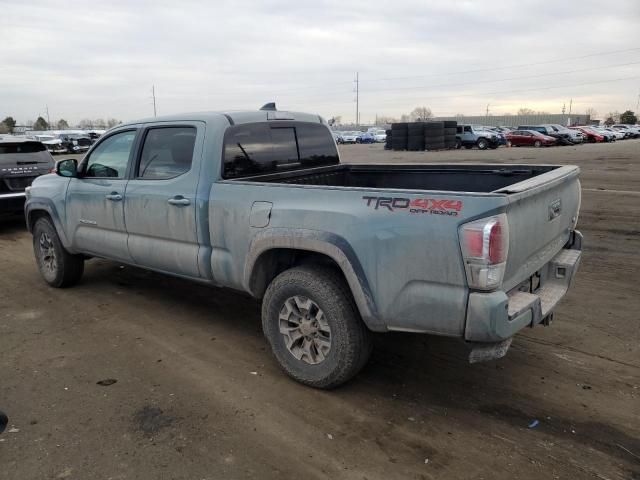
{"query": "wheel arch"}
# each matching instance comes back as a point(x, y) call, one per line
point(275, 250)
point(39, 208)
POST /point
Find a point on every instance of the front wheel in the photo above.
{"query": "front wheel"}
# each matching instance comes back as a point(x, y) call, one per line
point(537, 144)
point(313, 327)
point(482, 144)
point(58, 267)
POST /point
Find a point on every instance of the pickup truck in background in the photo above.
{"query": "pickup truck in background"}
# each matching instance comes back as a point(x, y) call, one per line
point(469, 136)
point(258, 201)
point(21, 161)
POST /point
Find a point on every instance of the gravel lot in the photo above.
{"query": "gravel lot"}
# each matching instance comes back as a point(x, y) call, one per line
point(198, 395)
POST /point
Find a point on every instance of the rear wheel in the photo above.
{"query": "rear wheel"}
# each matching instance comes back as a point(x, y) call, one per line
point(313, 327)
point(58, 267)
point(458, 144)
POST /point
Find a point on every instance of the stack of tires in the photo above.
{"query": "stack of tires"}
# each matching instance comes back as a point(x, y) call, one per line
point(415, 137)
point(450, 127)
point(399, 136)
point(388, 141)
point(434, 136)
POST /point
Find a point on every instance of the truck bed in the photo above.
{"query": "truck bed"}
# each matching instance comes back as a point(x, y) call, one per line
point(454, 178)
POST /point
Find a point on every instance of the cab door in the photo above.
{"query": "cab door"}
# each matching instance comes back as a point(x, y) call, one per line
point(160, 211)
point(95, 200)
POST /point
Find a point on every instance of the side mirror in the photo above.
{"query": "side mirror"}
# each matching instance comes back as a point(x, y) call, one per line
point(67, 168)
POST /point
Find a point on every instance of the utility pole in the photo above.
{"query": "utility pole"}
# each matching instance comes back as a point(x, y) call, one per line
point(357, 99)
point(570, 105)
point(563, 108)
point(153, 94)
point(48, 119)
point(487, 111)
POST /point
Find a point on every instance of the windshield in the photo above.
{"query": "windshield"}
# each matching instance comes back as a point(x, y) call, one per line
point(21, 147)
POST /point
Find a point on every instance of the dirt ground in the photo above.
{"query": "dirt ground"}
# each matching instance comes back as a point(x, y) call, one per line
point(198, 395)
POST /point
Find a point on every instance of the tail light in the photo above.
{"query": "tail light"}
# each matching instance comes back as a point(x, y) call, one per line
point(485, 245)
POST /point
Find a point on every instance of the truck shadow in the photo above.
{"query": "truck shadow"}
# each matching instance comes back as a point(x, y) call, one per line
point(11, 225)
point(427, 375)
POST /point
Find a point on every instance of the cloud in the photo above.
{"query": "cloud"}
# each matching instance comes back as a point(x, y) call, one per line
point(101, 59)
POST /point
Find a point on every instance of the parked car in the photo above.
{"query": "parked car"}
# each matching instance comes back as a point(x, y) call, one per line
point(22, 159)
point(608, 135)
point(380, 136)
point(529, 138)
point(620, 135)
point(76, 142)
point(573, 136)
point(631, 131)
point(261, 203)
point(502, 139)
point(561, 137)
point(52, 143)
point(366, 138)
point(590, 134)
point(349, 137)
point(469, 136)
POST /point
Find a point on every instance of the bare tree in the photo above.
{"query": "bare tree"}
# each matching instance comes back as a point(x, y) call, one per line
point(85, 123)
point(591, 112)
point(112, 122)
point(386, 120)
point(421, 113)
point(62, 124)
point(526, 111)
point(4, 128)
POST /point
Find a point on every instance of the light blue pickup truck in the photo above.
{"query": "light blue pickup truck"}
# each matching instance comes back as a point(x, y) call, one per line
point(259, 201)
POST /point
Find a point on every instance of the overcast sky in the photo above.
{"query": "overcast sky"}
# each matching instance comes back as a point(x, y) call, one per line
point(99, 59)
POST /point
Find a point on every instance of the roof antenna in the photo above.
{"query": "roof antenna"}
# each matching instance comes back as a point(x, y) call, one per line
point(271, 106)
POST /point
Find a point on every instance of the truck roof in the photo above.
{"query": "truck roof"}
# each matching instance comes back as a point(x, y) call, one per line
point(234, 117)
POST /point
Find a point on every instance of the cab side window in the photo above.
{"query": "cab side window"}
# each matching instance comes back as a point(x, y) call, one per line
point(110, 158)
point(167, 152)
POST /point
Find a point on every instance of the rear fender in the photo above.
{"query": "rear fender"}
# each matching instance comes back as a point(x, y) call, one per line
point(329, 244)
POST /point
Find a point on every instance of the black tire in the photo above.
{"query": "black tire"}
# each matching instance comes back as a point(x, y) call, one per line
point(399, 143)
point(458, 144)
point(350, 340)
point(59, 268)
point(482, 144)
point(537, 144)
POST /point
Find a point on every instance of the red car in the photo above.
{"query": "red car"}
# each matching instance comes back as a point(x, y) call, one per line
point(528, 138)
point(592, 135)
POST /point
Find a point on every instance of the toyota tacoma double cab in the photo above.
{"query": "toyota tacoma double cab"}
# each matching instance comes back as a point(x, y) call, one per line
point(259, 201)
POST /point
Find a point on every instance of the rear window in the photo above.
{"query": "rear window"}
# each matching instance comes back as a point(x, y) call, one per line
point(261, 148)
point(22, 147)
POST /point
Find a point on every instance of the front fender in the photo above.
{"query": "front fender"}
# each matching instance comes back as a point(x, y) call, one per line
point(43, 204)
point(329, 244)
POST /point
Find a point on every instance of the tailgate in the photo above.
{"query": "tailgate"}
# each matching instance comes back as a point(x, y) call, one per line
point(542, 212)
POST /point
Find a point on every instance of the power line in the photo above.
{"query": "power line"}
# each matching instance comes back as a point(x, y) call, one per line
point(480, 94)
point(491, 69)
point(521, 65)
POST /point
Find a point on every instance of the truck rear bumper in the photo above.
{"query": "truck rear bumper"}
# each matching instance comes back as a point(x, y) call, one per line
point(497, 316)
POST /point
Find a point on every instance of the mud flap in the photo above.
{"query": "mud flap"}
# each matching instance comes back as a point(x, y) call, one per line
point(483, 352)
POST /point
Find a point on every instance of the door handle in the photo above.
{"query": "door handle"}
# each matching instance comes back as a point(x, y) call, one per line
point(114, 197)
point(179, 200)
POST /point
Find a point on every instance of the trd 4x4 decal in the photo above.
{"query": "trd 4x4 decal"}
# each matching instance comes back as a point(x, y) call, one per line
point(430, 206)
